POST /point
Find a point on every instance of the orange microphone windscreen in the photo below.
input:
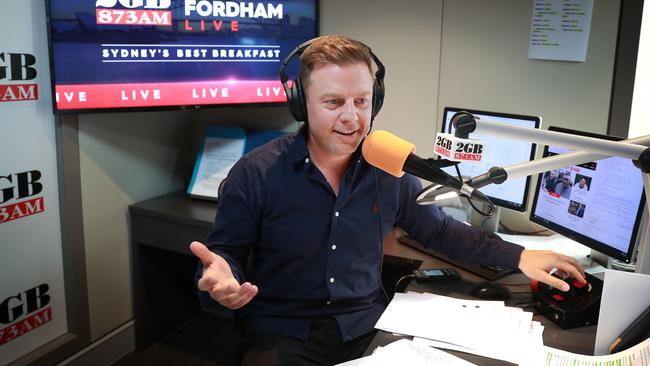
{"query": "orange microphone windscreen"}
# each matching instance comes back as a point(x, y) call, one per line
point(386, 151)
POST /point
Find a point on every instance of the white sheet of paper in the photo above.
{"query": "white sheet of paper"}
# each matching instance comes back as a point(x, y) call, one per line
point(637, 355)
point(625, 295)
point(559, 30)
point(515, 355)
point(219, 155)
point(487, 328)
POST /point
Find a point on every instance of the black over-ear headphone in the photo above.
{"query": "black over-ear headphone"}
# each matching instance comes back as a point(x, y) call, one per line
point(296, 94)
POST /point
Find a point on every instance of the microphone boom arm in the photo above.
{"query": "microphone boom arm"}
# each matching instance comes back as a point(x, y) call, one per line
point(592, 149)
point(636, 149)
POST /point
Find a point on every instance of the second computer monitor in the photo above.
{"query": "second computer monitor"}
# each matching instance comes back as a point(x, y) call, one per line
point(499, 152)
point(598, 204)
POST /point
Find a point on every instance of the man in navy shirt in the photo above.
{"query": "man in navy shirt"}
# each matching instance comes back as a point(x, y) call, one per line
point(297, 240)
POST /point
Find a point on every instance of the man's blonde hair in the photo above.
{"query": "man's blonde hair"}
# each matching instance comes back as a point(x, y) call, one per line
point(335, 50)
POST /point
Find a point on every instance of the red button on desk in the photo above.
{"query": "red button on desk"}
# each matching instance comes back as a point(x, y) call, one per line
point(577, 284)
point(558, 297)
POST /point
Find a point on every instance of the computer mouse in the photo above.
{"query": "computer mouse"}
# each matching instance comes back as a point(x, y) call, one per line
point(490, 291)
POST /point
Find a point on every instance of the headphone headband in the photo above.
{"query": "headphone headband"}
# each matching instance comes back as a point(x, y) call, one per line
point(296, 94)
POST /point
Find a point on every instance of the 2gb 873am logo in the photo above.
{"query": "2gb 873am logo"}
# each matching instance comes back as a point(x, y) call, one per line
point(17, 69)
point(17, 195)
point(129, 12)
point(24, 312)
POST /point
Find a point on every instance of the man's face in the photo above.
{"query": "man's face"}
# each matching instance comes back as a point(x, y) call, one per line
point(552, 175)
point(339, 106)
point(566, 181)
point(582, 183)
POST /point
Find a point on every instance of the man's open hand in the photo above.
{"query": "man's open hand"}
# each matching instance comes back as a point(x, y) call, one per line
point(218, 281)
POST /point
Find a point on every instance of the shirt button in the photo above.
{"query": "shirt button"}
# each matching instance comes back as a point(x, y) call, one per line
point(331, 279)
point(336, 214)
point(306, 160)
point(333, 246)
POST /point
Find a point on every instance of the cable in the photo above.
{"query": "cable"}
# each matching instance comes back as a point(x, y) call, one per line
point(469, 200)
point(484, 220)
point(381, 240)
point(529, 304)
point(402, 278)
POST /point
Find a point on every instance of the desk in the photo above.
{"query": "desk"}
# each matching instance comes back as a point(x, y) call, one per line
point(163, 283)
point(578, 340)
point(164, 293)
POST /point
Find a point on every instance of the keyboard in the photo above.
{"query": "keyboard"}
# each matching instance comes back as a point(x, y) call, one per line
point(490, 273)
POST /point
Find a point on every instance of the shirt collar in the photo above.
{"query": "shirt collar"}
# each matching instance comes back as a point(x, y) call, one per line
point(300, 153)
point(299, 150)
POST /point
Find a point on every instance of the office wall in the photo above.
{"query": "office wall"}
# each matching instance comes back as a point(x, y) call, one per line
point(485, 65)
point(430, 49)
point(124, 158)
point(405, 35)
point(639, 120)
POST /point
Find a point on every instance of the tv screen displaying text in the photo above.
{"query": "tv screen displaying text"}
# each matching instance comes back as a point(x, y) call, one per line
point(150, 53)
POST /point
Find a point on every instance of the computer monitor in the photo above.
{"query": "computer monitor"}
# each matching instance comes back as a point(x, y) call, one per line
point(499, 152)
point(598, 204)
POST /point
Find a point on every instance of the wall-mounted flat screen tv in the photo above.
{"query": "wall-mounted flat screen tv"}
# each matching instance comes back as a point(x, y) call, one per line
point(132, 54)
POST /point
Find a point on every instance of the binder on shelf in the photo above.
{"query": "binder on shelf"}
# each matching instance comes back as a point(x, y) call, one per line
point(221, 148)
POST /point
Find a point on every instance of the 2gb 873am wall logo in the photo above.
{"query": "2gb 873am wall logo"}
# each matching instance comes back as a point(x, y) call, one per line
point(133, 12)
point(24, 312)
point(18, 193)
point(16, 72)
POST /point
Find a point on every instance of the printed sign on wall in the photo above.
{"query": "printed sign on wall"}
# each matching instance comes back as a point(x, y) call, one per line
point(32, 296)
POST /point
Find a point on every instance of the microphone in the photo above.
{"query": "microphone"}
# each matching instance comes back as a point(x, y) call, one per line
point(395, 156)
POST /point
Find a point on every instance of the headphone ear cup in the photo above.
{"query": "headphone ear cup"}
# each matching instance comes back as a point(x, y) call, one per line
point(296, 101)
point(377, 96)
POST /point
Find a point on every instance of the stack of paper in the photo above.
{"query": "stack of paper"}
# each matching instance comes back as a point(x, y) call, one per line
point(486, 328)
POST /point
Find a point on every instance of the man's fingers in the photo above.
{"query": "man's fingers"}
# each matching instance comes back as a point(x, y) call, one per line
point(245, 293)
point(207, 282)
point(201, 251)
point(536, 264)
point(573, 269)
point(554, 281)
point(241, 297)
point(218, 280)
point(218, 290)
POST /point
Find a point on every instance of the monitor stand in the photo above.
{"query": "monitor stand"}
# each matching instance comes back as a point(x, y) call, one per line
point(488, 223)
point(600, 258)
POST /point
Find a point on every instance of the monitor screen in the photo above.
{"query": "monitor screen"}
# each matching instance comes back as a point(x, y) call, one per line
point(499, 152)
point(116, 54)
point(598, 204)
